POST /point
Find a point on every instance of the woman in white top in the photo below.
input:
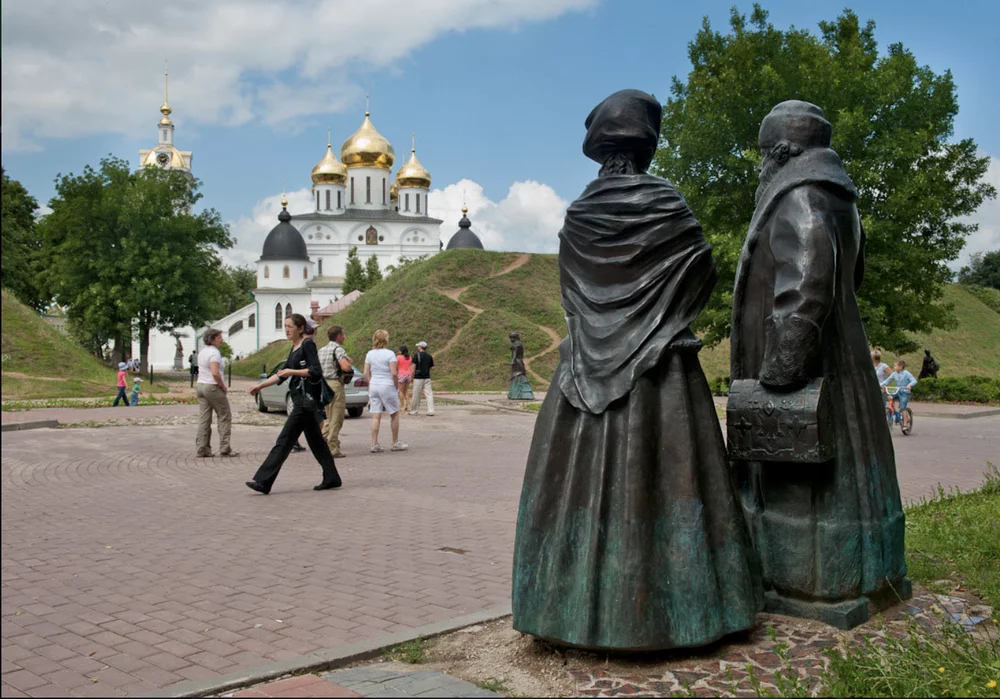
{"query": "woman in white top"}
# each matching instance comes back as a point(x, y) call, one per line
point(381, 371)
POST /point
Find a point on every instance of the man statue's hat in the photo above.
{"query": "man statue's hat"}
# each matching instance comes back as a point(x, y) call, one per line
point(798, 122)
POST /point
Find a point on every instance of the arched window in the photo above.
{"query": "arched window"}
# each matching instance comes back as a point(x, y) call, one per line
point(328, 200)
point(339, 205)
point(286, 273)
point(418, 203)
point(288, 309)
point(235, 327)
point(368, 190)
point(383, 192)
point(267, 272)
point(352, 190)
point(278, 317)
point(319, 267)
point(305, 272)
point(317, 201)
point(406, 202)
point(252, 320)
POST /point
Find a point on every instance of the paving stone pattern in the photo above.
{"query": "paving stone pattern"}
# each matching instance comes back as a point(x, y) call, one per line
point(129, 565)
point(399, 680)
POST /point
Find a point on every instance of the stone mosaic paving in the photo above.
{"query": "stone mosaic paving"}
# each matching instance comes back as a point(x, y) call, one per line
point(726, 672)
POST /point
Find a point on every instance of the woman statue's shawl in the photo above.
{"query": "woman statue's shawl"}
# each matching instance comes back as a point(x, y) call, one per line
point(635, 271)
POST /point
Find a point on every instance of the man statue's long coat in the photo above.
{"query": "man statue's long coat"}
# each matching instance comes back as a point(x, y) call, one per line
point(831, 531)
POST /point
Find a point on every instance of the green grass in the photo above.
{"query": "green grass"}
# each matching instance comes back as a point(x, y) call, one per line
point(32, 347)
point(953, 537)
point(412, 652)
point(480, 358)
point(530, 291)
point(967, 350)
point(494, 685)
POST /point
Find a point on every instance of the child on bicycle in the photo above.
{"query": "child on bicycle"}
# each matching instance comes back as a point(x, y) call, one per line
point(904, 383)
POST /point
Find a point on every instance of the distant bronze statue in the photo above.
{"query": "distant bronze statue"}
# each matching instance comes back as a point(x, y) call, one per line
point(929, 369)
point(630, 535)
point(178, 353)
point(807, 430)
point(519, 389)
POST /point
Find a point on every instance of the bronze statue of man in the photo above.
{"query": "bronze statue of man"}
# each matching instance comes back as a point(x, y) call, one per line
point(829, 533)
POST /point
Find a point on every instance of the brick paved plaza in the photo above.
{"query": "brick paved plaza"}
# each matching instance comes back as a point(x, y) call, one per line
point(129, 565)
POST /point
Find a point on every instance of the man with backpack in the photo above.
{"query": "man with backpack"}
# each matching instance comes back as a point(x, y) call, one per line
point(423, 362)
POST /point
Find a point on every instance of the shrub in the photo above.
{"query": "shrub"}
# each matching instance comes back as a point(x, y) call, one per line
point(988, 295)
point(961, 389)
point(719, 386)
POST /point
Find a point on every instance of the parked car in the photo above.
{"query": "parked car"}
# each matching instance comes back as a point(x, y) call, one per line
point(277, 398)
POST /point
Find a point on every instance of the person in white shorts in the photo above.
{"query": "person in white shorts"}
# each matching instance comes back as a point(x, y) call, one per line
point(381, 371)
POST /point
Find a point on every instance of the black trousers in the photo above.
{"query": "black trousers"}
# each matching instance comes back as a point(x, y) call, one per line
point(300, 420)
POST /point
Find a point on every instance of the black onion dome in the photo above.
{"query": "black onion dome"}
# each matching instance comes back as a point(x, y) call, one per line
point(284, 242)
point(465, 239)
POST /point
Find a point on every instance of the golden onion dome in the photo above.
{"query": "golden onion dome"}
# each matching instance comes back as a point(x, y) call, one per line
point(413, 174)
point(367, 148)
point(394, 191)
point(329, 170)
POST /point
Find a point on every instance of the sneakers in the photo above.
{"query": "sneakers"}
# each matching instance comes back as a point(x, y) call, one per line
point(339, 455)
point(376, 449)
point(430, 414)
point(412, 412)
point(399, 446)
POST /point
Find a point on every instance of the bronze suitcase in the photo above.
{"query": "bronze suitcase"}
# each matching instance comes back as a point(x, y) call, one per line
point(765, 424)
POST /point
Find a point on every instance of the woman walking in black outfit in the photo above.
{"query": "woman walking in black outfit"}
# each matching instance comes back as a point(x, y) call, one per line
point(305, 374)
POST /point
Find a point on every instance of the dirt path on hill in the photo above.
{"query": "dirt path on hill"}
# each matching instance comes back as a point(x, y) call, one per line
point(455, 294)
point(553, 345)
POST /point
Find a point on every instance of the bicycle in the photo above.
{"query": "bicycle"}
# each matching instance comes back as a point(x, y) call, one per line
point(903, 418)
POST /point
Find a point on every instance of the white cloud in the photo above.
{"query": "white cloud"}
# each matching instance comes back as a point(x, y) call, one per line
point(250, 231)
point(988, 217)
point(528, 219)
point(75, 68)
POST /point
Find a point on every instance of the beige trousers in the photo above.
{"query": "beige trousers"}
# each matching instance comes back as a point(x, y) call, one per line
point(335, 410)
point(422, 386)
point(211, 399)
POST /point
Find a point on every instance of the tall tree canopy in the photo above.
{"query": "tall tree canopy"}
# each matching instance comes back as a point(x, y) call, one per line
point(236, 284)
point(20, 244)
point(892, 119)
point(983, 270)
point(354, 274)
point(124, 249)
point(373, 275)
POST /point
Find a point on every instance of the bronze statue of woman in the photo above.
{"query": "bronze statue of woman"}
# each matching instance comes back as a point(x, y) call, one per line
point(519, 389)
point(630, 535)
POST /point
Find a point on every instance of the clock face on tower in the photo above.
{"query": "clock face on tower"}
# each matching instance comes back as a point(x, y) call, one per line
point(163, 158)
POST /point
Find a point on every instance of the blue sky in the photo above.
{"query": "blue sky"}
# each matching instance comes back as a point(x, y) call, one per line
point(495, 91)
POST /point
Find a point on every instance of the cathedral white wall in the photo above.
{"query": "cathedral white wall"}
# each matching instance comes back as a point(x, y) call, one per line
point(320, 192)
point(299, 272)
point(267, 300)
point(379, 184)
point(408, 201)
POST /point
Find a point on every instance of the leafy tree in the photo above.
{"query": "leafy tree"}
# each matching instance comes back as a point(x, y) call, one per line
point(373, 275)
point(983, 270)
point(891, 118)
point(20, 244)
point(236, 285)
point(130, 251)
point(354, 274)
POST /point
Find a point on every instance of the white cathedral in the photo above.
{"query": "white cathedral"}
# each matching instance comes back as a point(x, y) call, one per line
point(301, 267)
